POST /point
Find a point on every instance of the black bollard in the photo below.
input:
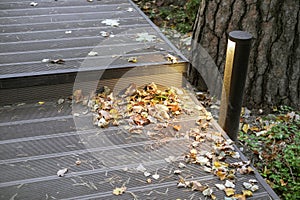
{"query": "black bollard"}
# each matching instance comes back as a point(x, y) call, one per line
point(235, 73)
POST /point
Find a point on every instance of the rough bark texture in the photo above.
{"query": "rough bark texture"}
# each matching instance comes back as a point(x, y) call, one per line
point(274, 66)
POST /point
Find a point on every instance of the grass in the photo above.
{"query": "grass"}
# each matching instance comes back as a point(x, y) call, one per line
point(274, 142)
point(179, 15)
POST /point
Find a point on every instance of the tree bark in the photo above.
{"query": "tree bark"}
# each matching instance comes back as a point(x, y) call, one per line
point(274, 65)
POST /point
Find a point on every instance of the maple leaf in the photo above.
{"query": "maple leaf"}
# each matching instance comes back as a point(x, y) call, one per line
point(145, 37)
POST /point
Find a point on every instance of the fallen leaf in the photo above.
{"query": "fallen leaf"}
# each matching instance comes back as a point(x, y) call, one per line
point(202, 160)
point(196, 185)
point(62, 172)
point(78, 162)
point(45, 60)
point(119, 191)
point(254, 188)
point(34, 4)
point(132, 59)
point(207, 192)
point(181, 165)
point(147, 174)
point(229, 191)
point(220, 186)
point(57, 61)
point(41, 102)
point(247, 193)
point(111, 22)
point(245, 128)
point(93, 53)
point(141, 168)
point(145, 37)
point(155, 176)
point(229, 184)
point(104, 33)
point(177, 171)
point(247, 185)
point(130, 10)
point(171, 58)
point(177, 127)
point(60, 101)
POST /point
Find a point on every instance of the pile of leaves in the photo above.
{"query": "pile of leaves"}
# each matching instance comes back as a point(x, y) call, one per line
point(136, 107)
point(216, 162)
point(272, 142)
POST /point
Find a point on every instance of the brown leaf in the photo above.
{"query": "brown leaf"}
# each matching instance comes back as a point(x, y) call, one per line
point(177, 127)
point(196, 185)
point(57, 61)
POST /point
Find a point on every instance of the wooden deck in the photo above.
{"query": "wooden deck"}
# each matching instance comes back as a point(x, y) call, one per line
point(40, 136)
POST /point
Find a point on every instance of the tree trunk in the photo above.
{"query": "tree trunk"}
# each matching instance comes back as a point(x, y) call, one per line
point(274, 65)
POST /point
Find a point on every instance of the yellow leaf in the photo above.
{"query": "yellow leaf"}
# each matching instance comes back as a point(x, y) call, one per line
point(247, 193)
point(239, 197)
point(221, 175)
point(213, 197)
point(132, 59)
point(282, 183)
point(177, 127)
point(41, 102)
point(245, 128)
point(119, 191)
point(229, 191)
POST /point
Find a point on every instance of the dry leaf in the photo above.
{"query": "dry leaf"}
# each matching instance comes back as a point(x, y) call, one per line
point(130, 10)
point(177, 127)
point(45, 60)
point(41, 102)
point(145, 37)
point(229, 184)
point(57, 61)
point(247, 193)
point(155, 176)
point(33, 4)
point(104, 33)
point(171, 58)
point(111, 22)
point(119, 191)
point(132, 59)
point(141, 168)
point(247, 185)
point(207, 192)
point(147, 174)
point(229, 191)
point(181, 165)
point(78, 162)
point(220, 186)
point(62, 172)
point(93, 53)
point(196, 185)
point(254, 188)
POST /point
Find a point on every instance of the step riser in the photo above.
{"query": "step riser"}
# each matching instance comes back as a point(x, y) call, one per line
point(53, 87)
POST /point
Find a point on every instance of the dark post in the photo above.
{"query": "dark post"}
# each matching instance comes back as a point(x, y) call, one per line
point(237, 56)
